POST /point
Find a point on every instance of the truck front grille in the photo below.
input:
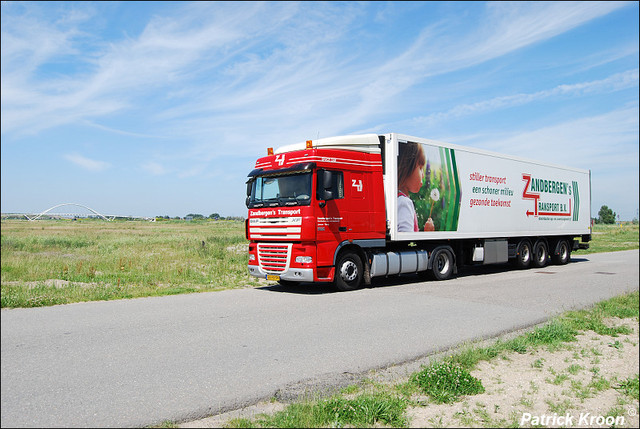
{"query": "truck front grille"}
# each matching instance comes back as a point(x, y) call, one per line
point(274, 258)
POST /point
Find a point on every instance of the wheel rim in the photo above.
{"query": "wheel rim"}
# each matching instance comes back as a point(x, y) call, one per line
point(349, 271)
point(564, 252)
point(541, 254)
point(442, 263)
point(525, 254)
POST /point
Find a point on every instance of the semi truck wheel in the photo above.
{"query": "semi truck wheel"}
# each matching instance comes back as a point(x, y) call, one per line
point(562, 253)
point(442, 267)
point(348, 272)
point(540, 254)
point(523, 256)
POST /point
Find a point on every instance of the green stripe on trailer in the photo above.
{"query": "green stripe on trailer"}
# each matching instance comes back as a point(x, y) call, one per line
point(576, 202)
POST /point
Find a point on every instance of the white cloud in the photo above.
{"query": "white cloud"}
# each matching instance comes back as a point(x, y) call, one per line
point(506, 27)
point(299, 66)
point(113, 76)
point(154, 168)
point(195, 170)
point(616, 82)
point(512, 25)
point(310, 94)
point(604, 141)
point(86, 163)
point(27, 43)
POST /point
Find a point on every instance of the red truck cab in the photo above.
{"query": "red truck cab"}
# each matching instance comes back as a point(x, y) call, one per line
point(313, 208)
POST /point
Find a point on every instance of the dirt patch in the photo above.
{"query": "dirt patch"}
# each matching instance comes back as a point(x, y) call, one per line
point(575, 385)
point(57, 283)
point(241, 248)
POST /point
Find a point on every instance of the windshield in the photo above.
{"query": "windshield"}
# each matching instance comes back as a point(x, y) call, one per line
point(284, 190)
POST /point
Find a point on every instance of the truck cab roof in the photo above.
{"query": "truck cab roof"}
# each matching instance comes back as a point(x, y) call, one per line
point(369, 143)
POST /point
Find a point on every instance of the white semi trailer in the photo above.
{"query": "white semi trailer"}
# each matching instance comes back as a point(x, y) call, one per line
point(377, 205)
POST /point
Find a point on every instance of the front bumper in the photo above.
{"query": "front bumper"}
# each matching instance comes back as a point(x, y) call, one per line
point(292, 274)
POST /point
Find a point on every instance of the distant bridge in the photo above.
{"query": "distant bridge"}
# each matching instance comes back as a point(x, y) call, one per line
point(33, 217)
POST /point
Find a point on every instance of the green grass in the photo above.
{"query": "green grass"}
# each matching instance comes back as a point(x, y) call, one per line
point(366, 410)
point(611, 238)
point(630, 387)
point(96, 260)
point(559, 331)
point(53, 262)
point(446, 382)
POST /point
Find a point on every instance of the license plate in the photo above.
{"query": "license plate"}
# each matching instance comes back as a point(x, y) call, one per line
point(273, 277)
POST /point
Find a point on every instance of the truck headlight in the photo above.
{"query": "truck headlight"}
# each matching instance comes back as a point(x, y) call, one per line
point(304, 259)
point(252, 257)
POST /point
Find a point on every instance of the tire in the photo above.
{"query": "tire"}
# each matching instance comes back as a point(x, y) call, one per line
point(523, 255)
point(348, 272)
point(442, 264)
point(540, 254)
point(562, 254)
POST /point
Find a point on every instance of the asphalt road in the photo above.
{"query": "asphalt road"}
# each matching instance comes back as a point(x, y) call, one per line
point(144, 361)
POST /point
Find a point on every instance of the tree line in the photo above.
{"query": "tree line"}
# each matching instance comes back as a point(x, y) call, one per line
point(197, 216)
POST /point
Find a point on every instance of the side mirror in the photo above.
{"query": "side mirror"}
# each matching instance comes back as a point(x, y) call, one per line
point(249, 189)
point(325, 185)
point(327, 179)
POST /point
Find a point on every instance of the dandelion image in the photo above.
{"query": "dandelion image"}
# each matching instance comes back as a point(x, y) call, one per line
point(437, 202)
point(435, 196)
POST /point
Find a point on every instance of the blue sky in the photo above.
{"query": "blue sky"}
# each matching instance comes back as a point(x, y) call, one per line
point(161, 108)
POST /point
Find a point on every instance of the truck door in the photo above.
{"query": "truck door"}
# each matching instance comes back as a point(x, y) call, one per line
point(360, 210)
point(331, 214)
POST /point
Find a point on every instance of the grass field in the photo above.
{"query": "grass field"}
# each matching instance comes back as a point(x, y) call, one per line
point(610, 238)
point(62, 261)
point(56, 262)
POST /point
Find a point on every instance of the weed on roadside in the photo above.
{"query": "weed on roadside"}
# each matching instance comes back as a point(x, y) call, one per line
point(445, 382)
point(630, 387)
point(365, 410)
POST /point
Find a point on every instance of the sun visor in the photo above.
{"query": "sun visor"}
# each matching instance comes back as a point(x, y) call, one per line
point(297, 168)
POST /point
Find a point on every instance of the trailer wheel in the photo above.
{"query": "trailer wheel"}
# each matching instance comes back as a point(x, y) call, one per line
point(442, 267)
point(540, 254)
point(348, 272)
point(562, 254)
point(523, 255)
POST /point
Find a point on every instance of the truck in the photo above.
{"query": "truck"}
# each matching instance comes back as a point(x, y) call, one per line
point(347, 209)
